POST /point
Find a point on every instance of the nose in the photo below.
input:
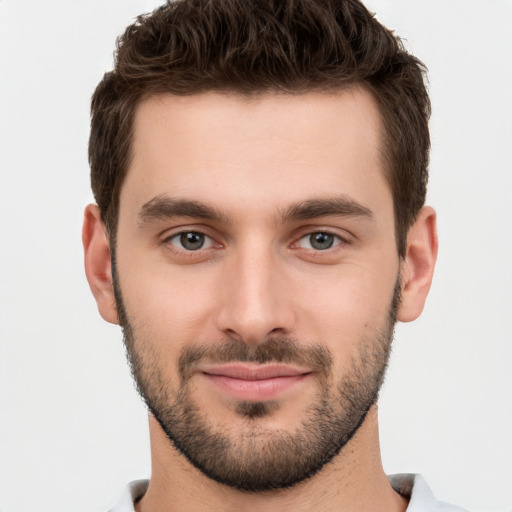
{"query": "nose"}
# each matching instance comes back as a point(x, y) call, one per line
point(256, 300)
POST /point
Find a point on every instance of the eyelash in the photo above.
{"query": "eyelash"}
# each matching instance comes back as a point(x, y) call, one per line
point(337, 241)
point(189, 252)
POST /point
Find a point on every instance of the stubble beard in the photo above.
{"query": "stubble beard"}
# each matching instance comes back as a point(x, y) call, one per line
point(256, 459)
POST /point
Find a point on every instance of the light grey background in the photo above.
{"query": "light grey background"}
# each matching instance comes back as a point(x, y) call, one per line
point(72, 429)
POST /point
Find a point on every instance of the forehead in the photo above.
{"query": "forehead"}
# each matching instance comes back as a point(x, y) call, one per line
point(256, 152)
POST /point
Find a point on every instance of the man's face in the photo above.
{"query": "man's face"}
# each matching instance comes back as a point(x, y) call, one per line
point(256, 277)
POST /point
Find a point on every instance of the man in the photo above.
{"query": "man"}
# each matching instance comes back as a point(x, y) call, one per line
point(260, 173)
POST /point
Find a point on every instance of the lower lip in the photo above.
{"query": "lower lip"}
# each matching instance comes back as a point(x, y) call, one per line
point(255, 390)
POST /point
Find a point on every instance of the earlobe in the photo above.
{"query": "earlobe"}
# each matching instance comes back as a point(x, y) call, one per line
point(97, 260)
point(418, 265)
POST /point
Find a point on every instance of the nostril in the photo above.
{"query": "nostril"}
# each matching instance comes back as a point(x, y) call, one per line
point(231, 333)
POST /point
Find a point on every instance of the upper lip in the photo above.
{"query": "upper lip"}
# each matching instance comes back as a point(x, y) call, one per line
point(246, 371)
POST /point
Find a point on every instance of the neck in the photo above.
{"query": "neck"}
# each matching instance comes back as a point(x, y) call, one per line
point(353, 481)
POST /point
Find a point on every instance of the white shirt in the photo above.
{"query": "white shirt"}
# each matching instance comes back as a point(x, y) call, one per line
point(413, 487)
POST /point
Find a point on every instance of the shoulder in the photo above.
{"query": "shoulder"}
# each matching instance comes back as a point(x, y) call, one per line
point(131, 494)
point(421, 498)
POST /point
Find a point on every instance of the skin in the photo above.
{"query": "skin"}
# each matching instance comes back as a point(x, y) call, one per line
point(251, 159)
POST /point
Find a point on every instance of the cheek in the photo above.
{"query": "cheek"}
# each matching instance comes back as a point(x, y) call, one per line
point(172, 304)
point(166, 316)
point(346, 307)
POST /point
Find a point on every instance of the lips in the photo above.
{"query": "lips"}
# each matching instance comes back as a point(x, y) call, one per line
point(254, 382)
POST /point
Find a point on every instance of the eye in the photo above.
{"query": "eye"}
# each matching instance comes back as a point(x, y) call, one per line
point(190, 241)
point(319, 241)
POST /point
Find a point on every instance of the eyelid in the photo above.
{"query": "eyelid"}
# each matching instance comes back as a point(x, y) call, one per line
point(185, 228)
point(170, 234)
point(343, 236)
point(207, 244)
point(338, 240)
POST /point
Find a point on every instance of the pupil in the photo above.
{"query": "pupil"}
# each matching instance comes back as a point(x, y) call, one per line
point(321, 241)
point(192, 241)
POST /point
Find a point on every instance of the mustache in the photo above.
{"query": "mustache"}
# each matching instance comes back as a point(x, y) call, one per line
point(273, 350)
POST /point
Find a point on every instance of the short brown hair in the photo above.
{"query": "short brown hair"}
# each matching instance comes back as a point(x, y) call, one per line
point(255, 46)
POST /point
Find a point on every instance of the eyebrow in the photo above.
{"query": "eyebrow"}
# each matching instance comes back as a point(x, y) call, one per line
point(164, 207)
point(335, 206)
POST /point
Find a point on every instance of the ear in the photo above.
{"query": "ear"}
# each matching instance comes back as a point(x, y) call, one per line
point(98, 263)
point(417, 268)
